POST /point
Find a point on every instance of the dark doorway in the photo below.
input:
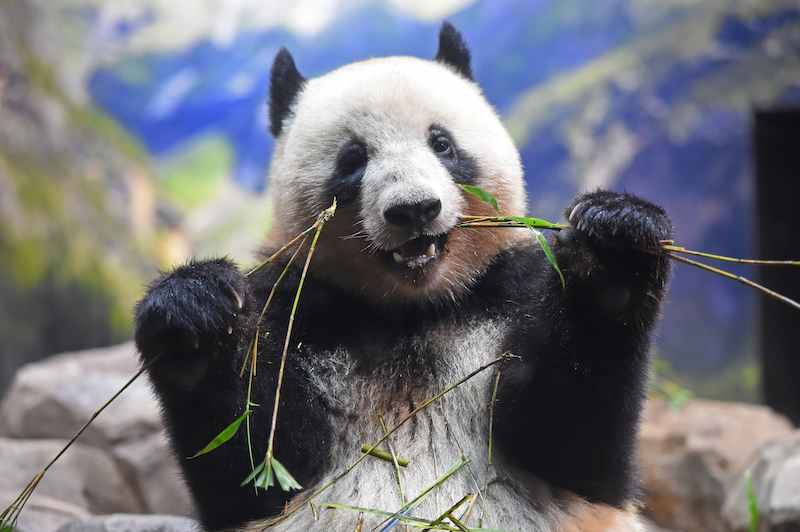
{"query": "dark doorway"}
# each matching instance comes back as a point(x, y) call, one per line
point(777, 154)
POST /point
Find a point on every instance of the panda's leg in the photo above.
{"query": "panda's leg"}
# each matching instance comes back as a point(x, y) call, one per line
point(199, 321)
point(570, 411)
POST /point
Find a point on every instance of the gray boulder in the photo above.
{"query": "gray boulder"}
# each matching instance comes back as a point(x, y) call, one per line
point(131, 523)
point(55, 397)
point(85, 477)
point(688, 458)
point(130, 464)
point(151, 469)
point(41, 513)
point(775, 475)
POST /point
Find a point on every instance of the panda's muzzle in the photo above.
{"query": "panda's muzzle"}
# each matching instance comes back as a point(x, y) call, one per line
point(415, 218)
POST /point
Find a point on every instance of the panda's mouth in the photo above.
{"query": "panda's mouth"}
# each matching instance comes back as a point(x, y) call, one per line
point(418, 252)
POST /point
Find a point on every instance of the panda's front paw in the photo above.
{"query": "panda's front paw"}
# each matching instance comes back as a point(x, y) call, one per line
point(196, 307)
point(619, 220)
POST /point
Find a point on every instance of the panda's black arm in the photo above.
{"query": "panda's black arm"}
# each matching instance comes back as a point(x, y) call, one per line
point(199, 320)
point(569, 412)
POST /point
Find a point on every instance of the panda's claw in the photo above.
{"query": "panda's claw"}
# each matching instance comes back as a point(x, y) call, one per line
point(574, 211)
point(236, 297)
point(619, 219)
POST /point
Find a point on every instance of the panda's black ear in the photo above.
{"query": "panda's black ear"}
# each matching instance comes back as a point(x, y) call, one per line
point(285, 83)
point(453, 52)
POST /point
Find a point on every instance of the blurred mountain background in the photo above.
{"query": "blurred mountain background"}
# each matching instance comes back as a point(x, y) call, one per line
point(133, 133)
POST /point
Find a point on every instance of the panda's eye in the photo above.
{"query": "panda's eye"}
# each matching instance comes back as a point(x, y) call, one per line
point(351, 158)
point(441, 145)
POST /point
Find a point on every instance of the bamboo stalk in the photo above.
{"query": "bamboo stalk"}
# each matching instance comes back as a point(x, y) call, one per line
point(395, 462)
point(678, 249)
point(449, 512)
point(323, 217)
point(738, 278)
point(383, 455)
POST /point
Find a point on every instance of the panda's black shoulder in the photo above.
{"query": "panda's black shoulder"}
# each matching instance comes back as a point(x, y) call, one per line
point(511, 280)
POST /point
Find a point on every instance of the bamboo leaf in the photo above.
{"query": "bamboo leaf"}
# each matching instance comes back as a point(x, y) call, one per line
point(481, 195)
point(531, 223)
point(285, 479)
point(547, 251)
point(225, 435)
point(266, 479)
point(752, 504)
point(252, 475)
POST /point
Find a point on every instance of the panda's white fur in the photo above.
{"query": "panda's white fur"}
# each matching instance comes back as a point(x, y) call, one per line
point(391, 103)
point(455, 425)
point(398, 305)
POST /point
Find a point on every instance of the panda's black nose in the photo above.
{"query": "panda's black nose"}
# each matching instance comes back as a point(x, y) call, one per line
point(413, 215)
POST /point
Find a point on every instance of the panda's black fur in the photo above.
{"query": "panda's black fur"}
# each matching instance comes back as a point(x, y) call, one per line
point(566, 415)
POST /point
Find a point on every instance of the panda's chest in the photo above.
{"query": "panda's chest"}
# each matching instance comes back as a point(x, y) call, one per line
point(399, 391)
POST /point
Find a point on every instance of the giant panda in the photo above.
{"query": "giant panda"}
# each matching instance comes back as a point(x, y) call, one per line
point(398, 305)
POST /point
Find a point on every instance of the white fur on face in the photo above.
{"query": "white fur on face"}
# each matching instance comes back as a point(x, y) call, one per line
point(390, 106)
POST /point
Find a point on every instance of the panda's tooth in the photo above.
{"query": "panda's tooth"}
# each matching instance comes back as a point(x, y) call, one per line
point(431, 251)
point(397, 257)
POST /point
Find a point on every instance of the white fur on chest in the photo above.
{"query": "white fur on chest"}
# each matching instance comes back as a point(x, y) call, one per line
point(453, 426)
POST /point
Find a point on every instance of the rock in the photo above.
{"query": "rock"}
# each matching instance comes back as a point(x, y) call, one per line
point(55, 397)
point(41, 513)
point(775, 474)
point(689, 456)
point(131, 523)
point(84, 477)
point(152, 470)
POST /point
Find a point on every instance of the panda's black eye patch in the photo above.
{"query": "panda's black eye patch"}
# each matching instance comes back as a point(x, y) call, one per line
point(457, 161)
point(351, 162)
point(352, 157)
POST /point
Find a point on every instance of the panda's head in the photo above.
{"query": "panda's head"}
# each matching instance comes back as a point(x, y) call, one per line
point(391, 139)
